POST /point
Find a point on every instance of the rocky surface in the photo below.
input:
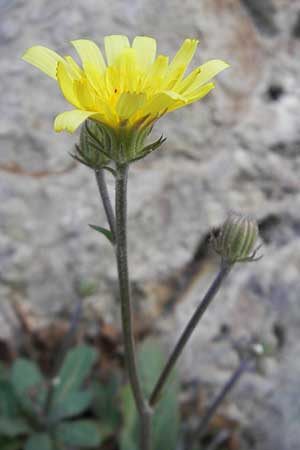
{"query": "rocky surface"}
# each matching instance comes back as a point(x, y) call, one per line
point(237, 149)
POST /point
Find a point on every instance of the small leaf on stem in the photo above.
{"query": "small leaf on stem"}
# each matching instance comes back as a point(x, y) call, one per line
point(107, 233)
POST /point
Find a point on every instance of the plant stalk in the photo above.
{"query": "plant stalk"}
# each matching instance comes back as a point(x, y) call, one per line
point(141, 402)
point(193, 322)
point(100, 178)
point(243, 367)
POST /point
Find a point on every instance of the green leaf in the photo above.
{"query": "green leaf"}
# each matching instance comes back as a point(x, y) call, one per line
point(28, 384)
point(80, 433)
point(10, 444)
point(12, 427)
point(3, 372)
point(166, 415)
point(76, 367)
point(39, 441)
point(151, 362)
point(106, 405)
point(129, 437)
point(71, 405)
point(107, 233)
point(8, 401)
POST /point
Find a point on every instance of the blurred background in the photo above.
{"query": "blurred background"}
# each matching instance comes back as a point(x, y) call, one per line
point(236, 149)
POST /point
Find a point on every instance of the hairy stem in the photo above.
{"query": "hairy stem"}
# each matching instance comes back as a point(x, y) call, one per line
point(100, 177)
point(212, 291)
point(244, 366)
point(126, 308)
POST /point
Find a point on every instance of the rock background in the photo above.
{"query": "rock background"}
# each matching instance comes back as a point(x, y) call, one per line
point(237, 149)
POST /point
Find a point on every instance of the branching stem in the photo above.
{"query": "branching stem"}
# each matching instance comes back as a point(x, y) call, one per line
point(244, 366)
point(141, 402)
point(212, 291)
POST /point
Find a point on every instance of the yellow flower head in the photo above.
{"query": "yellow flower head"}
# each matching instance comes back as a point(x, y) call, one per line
point(133, 88)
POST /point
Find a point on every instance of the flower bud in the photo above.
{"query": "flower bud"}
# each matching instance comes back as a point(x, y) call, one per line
point(237, 238)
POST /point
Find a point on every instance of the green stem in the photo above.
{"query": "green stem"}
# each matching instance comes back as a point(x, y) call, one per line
point(126, 308)
point(212, 291)
point(103, 191)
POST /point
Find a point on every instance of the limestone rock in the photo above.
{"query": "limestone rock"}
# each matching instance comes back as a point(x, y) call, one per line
point(237, 149)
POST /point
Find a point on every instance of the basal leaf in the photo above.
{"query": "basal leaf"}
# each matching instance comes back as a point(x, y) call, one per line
point(39, 441)
point(10, 443)
point(13, 427)
point(76, 367)
point(8, 401)
point(80, 433)
point(166, 416)
point(106, 402)
point(129, 437)
point(71, 405)
point(28, 384)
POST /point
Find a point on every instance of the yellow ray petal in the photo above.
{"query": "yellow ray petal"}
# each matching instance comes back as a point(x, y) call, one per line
point(66, 84)
point(112, 80)
point(145, 50)
point(95, 78)
point(183, 57)
point(114, 45)
point(187, 82)
point(74, 70)
point(202, 92)
point(156, 73)
point(208, 70)
point(161, 102)
point(89, 51)
point(129, 103)
point(128, 74)
point(71, 120)
point(108, 113)
point(44, 59)
point(85, 94)
point(174, 78)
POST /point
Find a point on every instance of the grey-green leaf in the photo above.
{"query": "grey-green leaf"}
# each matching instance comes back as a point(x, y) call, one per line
point(80, 433)
point(10, 444)
point(76, 367)
point(151, 362)
point(8, 401)
point(106, 403)
point(39, 441)
point(28, 384)
point(129, 433)
point(71, 405)
point(13, 426)
point(166, 415)
point(107, 233)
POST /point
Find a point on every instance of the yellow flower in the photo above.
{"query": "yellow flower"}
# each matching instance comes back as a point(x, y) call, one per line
point(133, 88)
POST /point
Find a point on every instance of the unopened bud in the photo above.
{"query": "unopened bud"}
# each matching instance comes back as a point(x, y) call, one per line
point(237, 238)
